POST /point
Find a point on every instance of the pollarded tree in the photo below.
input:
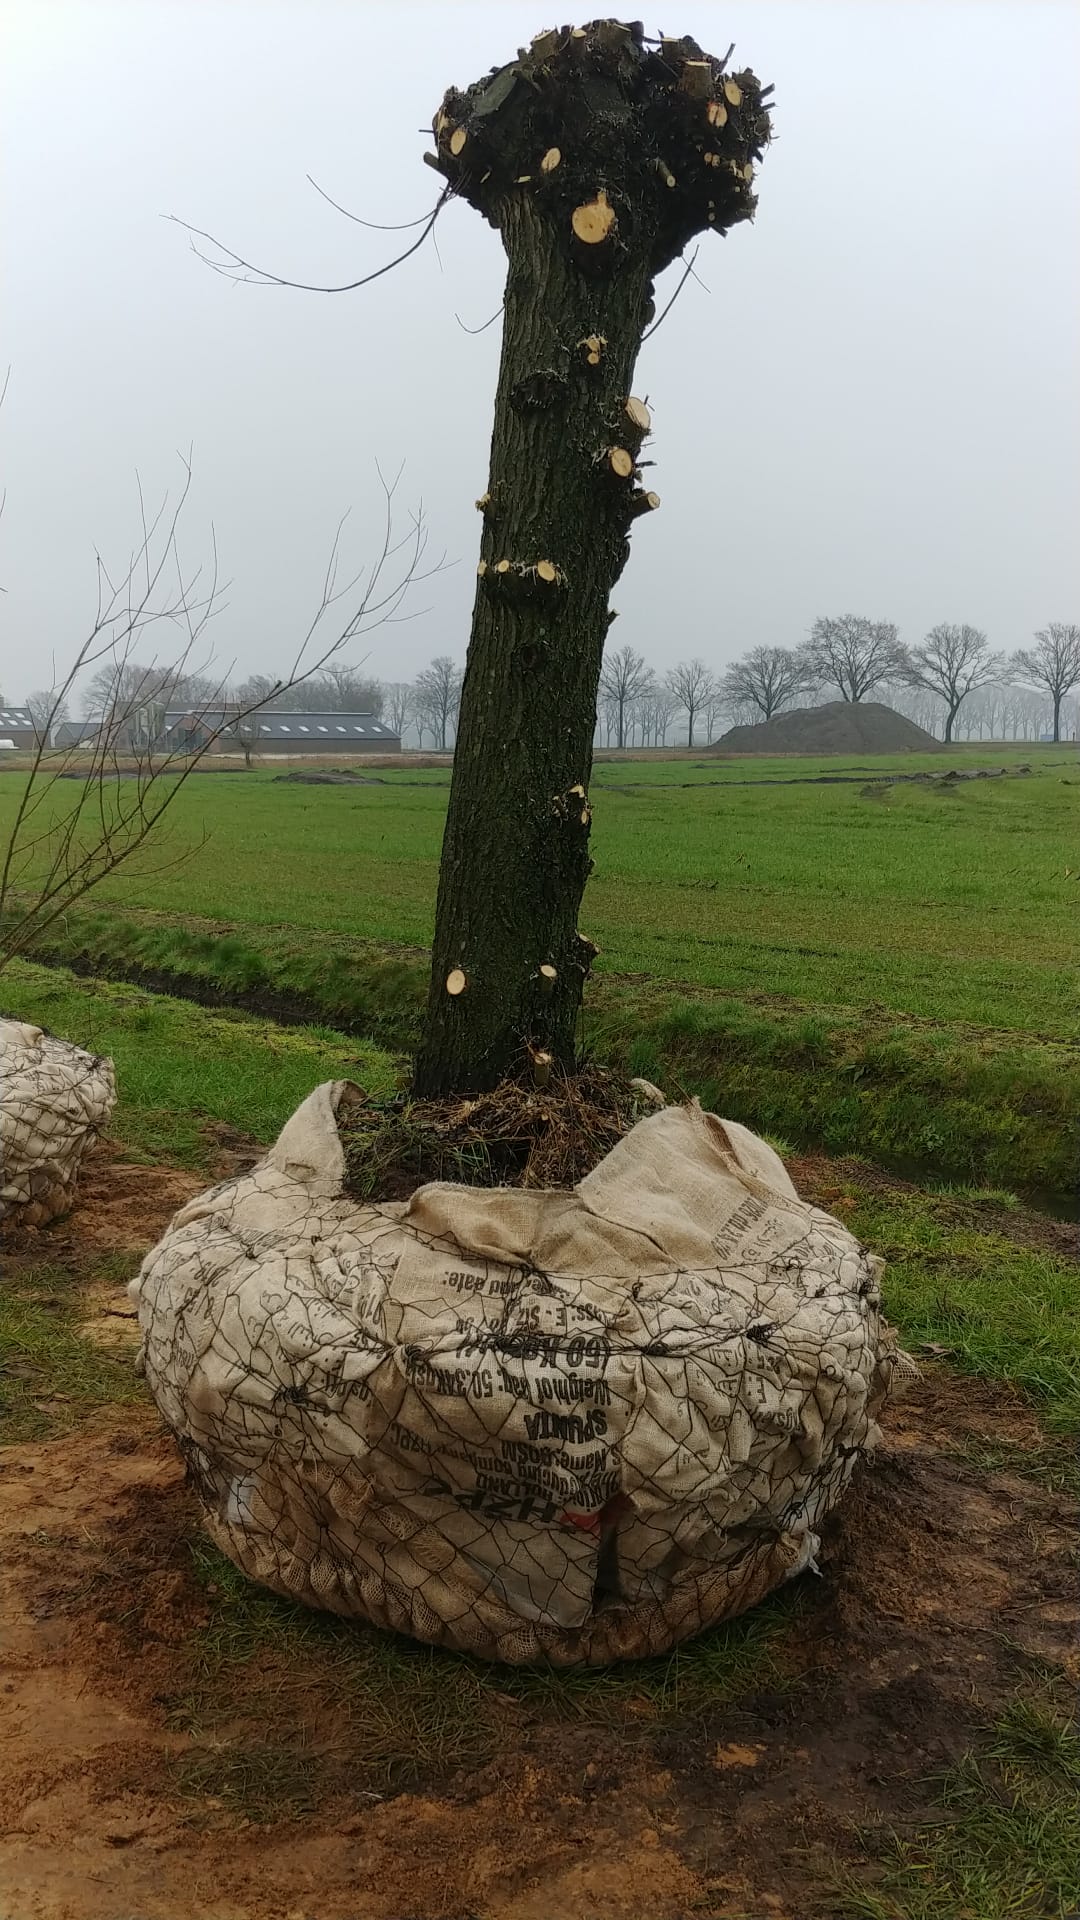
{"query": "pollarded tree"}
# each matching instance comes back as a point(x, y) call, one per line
point(693, 687)
point(765, 680)
point(951, 663)
point(597, 157)
point(1052, 664)
point(853, 654)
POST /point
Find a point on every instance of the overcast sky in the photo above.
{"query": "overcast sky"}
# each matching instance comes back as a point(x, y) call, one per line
point(874, 408)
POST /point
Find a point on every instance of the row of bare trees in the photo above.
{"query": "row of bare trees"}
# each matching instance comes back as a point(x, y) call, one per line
point(953, 671)
point(952, 683)
point(130, 698)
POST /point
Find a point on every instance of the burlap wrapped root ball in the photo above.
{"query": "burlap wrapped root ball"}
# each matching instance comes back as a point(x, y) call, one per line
point(573, 1426)
point(54, 1101)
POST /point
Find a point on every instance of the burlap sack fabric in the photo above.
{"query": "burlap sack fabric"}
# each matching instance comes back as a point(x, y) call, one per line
point(54, 1100)
point(573, 1426)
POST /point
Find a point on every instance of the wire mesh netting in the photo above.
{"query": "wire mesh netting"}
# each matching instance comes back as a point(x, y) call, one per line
point(54, 1100)
point(566, 1425)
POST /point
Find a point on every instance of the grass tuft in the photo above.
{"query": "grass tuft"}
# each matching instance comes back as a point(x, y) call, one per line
point(1007, 1845)
point(50, 1376)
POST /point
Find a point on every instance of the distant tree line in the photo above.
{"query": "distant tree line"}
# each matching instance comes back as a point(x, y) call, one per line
point(953, 684)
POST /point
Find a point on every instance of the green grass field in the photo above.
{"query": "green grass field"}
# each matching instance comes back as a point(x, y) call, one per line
point(889, 970)
point(949, 905)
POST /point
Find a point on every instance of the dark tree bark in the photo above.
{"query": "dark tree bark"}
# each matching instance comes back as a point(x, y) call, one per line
point(597, 159)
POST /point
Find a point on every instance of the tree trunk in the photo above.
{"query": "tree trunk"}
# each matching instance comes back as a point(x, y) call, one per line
point(516, 851)
point(950, 719)
point(1057, 717)
point(560, 499)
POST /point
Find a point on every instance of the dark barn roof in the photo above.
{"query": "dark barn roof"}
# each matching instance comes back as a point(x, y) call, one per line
point(306, 727)
point(69, 733)
point(16, 718)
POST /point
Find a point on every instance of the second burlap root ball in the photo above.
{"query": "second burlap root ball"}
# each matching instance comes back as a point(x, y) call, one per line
point(573, 1426)
point(54, 1100)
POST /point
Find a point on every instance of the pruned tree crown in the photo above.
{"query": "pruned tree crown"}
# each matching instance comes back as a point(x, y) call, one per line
point(631, 145)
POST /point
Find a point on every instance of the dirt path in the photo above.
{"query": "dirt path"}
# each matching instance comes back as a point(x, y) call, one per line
point(939, 1582)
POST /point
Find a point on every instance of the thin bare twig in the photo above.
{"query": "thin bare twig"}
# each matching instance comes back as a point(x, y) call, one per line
point(135, 770)
point(687, 271)
point(376, 226)
point(235, 267)
point(487, 323)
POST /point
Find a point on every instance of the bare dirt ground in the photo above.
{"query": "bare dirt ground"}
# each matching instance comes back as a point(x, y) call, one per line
point(938, 1581)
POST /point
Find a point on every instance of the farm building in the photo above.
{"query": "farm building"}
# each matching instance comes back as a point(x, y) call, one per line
point(17, 730)
point(270, 732)
point(75, 733)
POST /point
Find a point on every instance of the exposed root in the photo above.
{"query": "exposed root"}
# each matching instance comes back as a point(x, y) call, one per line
point(518, 1135)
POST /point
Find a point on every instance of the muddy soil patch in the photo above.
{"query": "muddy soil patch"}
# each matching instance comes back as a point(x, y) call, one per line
point(129, 1790)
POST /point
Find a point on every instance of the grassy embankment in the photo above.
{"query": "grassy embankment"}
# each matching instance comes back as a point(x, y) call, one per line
point(889, 971)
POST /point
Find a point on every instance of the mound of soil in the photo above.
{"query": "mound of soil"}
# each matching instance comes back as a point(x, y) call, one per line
point(326, 777)
point(843, 726)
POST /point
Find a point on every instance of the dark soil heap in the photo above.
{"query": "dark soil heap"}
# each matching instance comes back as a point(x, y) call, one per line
point(843, 726)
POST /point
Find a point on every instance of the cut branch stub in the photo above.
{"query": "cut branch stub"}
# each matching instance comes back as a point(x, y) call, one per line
point(547, 571)
point(550, 160)
point(457, 141)
point(621, 462)
point(592, 346)
point(456, 983)
point(542, 1064)
point(638, 414)
point(733, 93)
point(594, 220)
point(547, 977)
point(697, 78)
point(717, 113)
point(644, 503)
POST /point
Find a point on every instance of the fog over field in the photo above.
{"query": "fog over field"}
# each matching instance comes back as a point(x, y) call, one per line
point(873, 407)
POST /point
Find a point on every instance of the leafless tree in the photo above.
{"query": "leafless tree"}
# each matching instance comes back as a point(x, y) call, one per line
point(45, 713)
point(765, 680)
point(436, 697)
point(346, 690)
point(950, 663)
point(70, 832)
point(1052, 665)
point(398, 699)
point(257, 691)
point(852, 654)
point(692, 685)
point(624, 678)
point(657, 709)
